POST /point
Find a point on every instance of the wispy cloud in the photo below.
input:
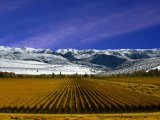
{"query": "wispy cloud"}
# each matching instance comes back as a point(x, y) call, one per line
point(51, 38)
point(127, 21)
point(79, 32)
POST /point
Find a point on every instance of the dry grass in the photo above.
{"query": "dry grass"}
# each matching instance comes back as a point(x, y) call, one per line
point(124, 116)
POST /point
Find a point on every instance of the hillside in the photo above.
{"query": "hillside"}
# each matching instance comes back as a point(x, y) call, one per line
point(72, 61)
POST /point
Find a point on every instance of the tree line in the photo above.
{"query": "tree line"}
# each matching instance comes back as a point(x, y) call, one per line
point(13, 75)
point(142, 73)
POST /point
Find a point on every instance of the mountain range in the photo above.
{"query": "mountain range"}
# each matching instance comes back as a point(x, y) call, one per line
point(71, 61)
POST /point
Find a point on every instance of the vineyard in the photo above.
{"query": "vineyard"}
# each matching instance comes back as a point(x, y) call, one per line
point(70, 95)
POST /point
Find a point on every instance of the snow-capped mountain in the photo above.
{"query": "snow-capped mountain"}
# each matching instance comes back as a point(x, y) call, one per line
point(71, 61)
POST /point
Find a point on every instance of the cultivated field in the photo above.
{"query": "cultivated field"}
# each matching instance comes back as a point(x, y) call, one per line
point(72, 95)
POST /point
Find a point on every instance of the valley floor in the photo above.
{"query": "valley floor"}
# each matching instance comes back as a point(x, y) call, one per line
point(124, 116)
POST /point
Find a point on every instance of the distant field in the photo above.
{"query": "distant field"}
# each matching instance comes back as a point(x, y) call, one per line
point(72, 95)
point(140, 80)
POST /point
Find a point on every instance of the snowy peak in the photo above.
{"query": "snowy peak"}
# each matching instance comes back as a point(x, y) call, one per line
point(64, 51)
point(25, 50)
point(117, 52)
point(41, 55)
point(124, 53)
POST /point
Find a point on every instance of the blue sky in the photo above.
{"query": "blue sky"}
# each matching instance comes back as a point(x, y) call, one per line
point(80, 24)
